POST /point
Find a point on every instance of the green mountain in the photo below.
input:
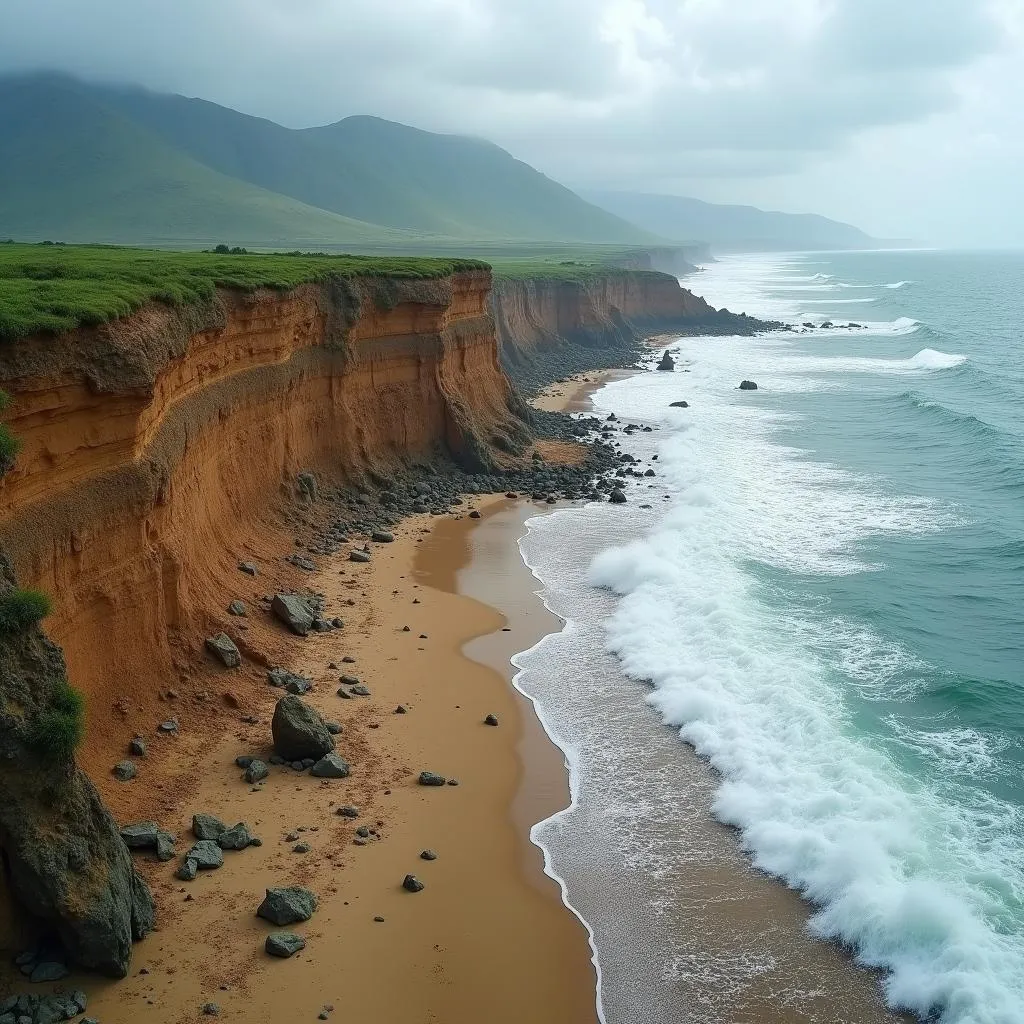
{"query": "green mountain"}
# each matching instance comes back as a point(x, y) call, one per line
point(739, 228)
point(77, 171)
point(85, 162)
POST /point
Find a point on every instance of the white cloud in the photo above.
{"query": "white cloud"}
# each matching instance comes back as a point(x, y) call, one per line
point(783, 99)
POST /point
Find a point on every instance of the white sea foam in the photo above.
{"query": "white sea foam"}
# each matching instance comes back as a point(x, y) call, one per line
point(891, 866)
point(899, 284)
point(916, 880)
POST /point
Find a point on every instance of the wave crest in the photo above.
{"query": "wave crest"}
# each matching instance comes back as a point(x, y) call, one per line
point(931, 359)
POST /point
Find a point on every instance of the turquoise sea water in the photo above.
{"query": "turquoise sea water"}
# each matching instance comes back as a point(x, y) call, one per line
point(827, 603)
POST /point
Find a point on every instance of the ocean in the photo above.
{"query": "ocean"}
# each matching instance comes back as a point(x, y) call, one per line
point(797, 656)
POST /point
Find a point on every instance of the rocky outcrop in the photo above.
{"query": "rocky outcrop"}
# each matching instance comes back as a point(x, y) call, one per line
point(65, 864)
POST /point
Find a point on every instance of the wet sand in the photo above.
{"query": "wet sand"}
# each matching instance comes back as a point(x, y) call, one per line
point(489, 937)
point(573, 393)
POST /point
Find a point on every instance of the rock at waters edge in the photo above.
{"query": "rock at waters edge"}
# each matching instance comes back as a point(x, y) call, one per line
point(667, 362)
point(747, 385)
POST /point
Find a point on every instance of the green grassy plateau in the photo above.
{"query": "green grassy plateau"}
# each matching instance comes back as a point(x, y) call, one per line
point(56, 288)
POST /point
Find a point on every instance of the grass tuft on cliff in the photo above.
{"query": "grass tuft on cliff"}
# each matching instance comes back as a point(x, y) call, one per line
point(57, 732)
point(54, 288)
point(21, 609)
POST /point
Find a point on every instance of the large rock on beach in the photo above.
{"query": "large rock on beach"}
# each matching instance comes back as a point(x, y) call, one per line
point(747, 385)
point(294, 612)
point(206, 826)
point(331, 766)
point(284, 944)
point(140, 836)
point(299, 731)
point(287, 905)
point(667, 362)
point(206, 854)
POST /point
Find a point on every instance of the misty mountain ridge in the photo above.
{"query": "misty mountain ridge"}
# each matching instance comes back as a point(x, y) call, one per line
point(729, 227)
point(121, 164)
point(86, 162)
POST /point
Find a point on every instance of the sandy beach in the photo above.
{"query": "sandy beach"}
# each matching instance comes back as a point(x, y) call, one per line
point(488, 937)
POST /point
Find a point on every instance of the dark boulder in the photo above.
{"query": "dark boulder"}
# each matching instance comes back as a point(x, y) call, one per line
point(164, 846)
point(256, 771)
point(412, 884)
point(667, 362)
point(238, 837)
point(206, 854)
point(299, 731)
point(223, 648)
point(140, 836)
point(288, 905)
point(617, 496)
point(289, 681)
point(747, 385)
point(284, 944)
point(431, 779)
point(679, 405)
point(294, 612)
point(206, 826)
point(330, 766)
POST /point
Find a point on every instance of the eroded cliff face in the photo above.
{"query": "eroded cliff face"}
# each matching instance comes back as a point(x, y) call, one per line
point(549, 329)
point(151, 445)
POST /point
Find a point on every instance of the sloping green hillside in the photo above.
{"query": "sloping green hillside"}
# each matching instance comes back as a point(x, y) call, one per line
point(75, 170)
point(85, 162)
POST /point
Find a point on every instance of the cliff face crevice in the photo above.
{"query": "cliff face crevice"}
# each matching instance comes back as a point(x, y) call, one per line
point(153, 445)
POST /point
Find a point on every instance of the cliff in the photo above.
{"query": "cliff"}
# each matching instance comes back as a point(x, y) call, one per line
point(161, 446)
point(151, 447)
point(571, 319)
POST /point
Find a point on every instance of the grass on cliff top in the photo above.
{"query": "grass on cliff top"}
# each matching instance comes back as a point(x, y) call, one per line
point(559, 270)
point(54, 288)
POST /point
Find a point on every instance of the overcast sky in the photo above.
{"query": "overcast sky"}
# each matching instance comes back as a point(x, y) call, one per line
point(905, 117)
